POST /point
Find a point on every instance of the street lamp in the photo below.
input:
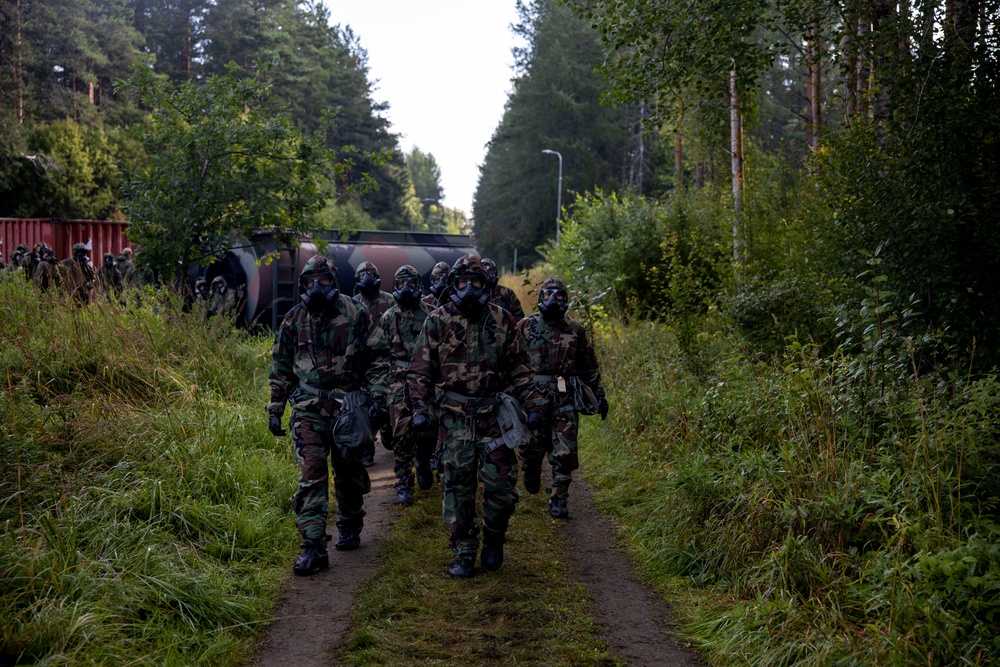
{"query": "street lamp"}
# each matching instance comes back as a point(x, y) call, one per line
point(559, 191)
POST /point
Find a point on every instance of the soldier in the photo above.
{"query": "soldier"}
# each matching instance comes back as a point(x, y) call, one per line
point(468, 351)
point(439, 282)
point(31, 260)
point(2, 265)
point(47, 273)
point(221, 300)
point(201, 290)
point(561, 355)
point(320, 352)
point(503, 296)
point(109, 280)
point(19, 252)
point(401, 326)
point(78, 274)
point(127, 270)
point(366, 289)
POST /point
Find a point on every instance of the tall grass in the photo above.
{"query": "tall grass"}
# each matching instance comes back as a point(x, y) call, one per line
point(142, 499)
point(831, 509)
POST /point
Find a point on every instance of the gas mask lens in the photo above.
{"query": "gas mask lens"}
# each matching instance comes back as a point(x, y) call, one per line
point(558, 294)
point(404, 283)
point(322, 281)
point(463, 281)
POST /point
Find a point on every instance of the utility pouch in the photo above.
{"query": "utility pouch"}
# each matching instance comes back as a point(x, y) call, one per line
point(513, 424)
point(584, 399)
point(352, 431)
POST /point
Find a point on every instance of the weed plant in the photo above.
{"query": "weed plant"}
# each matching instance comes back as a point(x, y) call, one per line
point(832, 509)
point(141, 496)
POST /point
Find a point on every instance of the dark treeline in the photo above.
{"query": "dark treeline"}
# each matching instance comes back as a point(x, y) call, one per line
point(62, 118)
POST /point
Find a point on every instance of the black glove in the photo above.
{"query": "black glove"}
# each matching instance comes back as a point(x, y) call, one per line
point(378, 414)
point(274, 425)
point(535, 419)
point(602, 408)
point(421, 422)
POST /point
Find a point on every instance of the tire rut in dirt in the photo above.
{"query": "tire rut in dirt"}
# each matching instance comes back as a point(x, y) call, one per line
point(636, 622)
point(315, 613)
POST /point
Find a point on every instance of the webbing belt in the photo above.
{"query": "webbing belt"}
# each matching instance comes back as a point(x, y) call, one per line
point(473, 401)
point(322, 393)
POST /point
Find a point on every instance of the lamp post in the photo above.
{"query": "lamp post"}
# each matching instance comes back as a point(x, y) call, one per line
point(558, 192)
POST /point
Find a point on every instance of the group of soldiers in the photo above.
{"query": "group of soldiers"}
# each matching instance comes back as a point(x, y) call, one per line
point(217, 297)
point(74, 275)
point(438, 370)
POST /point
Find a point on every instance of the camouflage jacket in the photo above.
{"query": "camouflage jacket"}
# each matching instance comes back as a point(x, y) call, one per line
point(328, 351)
point(473, 357)
point(505, 297)
point(560, 348)
point(377, 306)
point(77, 279)
point(401, 329)
point(47, 274)
point(109, 280)
point(431, 301)
point(129, 274)
point(222, 304)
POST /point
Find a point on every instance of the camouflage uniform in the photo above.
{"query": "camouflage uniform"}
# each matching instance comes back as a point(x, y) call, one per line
point(377, 302)
point(108, 278)
point(323, 351)
point(77, 274)
point(221, 300)
point(47, 273)
point(462, 359)
point(503, 296)
point(126, 269)
point(439, 283)
point(559, 348)
point(401, 327)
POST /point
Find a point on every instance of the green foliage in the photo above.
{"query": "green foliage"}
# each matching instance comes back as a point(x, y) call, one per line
point(555, 105)
point(67, 171)
point(221, 160)
point(651, 259)
point(142, 499)
point(840, 507)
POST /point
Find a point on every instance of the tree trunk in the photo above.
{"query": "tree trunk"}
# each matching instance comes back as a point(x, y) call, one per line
point(961, 18)
point(736, 144)
point(863, 72)
point(18, 66)
point(814, 66)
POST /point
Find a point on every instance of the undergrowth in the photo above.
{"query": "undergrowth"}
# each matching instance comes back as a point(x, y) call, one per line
point(141, 493)
point(827, 509)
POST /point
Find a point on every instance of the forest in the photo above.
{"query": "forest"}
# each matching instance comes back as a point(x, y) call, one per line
point(778, 218)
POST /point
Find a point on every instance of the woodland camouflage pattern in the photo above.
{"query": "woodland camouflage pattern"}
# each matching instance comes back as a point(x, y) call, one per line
point(330, 351)
point(506, 298)
point(559, 348)
point(478, 357)
point(400, 330)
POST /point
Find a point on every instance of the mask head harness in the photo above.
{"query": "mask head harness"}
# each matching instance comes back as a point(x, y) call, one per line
point(553, 300)
point(318, 287)
point(367, 280)
point(439, 278)
point(406, 286)
point(470, 285)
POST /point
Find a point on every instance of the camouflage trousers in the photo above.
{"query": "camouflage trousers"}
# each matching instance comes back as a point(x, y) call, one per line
point(460, 438)
point(313, 442)
point(556, 438)
point(407, 447)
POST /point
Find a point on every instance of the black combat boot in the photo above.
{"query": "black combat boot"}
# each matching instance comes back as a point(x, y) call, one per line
point(492, 556)
point(558, 509)
point(533, 476)
point(461, 567)
point(313, 557)
point(425, 476)
point(368, 456)
point(404, 490)
point(350, 535)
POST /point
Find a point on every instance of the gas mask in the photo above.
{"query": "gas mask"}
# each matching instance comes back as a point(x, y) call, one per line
point(318, 292)
point(406, 291)
point(470, 294)
point(438, 284)
point(368, 284)
point(81, 256)
point(110, 263)
point(553, 303)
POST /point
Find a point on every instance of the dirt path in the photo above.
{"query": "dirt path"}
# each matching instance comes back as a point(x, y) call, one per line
point(315, 615)
point(635, 620)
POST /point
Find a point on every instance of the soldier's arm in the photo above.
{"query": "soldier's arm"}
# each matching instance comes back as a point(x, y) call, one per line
point(424, 365)
point(515, 307)
point(281, 377)
point(377, 376)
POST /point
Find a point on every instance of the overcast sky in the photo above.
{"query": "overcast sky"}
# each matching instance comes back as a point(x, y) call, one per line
point(444, 67)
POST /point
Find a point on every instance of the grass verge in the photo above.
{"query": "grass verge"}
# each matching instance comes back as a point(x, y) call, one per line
point(140, 492)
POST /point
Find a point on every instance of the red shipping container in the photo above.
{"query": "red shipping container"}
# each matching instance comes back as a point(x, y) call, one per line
point(100, 236)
